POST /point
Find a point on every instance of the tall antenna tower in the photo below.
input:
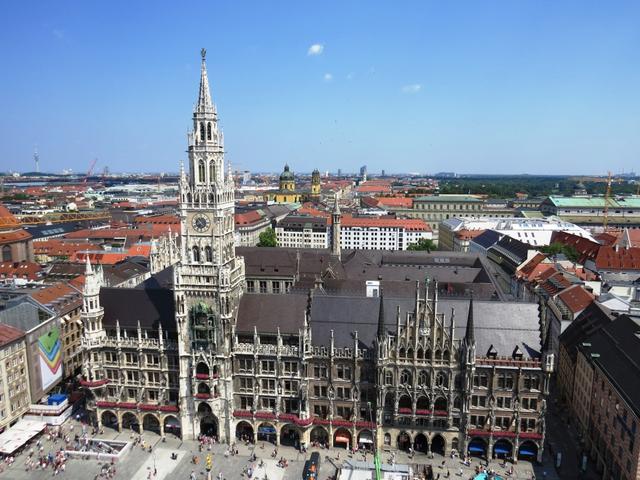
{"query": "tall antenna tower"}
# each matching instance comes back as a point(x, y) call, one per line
point(36, 158)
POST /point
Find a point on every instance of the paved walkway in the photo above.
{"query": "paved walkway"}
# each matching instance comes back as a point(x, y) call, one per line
point(138, 464)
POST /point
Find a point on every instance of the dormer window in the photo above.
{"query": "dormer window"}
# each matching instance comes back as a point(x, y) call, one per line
point(517, 353)
point(492, 352)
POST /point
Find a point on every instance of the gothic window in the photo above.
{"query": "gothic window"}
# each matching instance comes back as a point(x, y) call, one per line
point(445, 355)
point(209, 131)
point(423, 378)
point(441, 379)
point(405, 377)
point(6, 253)
point(202, 131)
point(410, 353)
point(402, 353)
point(212, 173)
point(196, 254)
point(438, 354)
point(388, 378)
point(201, 171)
point(208, 254)
point(420, 354)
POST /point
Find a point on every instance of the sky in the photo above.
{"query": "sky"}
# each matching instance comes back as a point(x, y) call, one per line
point(540, 87)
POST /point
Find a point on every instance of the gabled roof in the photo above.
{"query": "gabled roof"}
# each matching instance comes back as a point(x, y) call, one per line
point(9, 334)
point(59, 297)
point(613, 258)
point(585, 247)
point(576, 298)
point(487, 238)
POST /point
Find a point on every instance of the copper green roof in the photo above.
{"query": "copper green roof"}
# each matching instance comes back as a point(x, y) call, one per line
point(595, 202)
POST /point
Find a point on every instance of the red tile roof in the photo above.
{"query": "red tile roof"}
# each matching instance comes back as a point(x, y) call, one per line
point(530, 266)
point(398, 202)
point(7, 219)
point(366, 188)
point(25, 270)
point(585, 247)
point(576, 298)
point(9, 334)
point(158, 219)
point(60, 248)
point(248, 218)
point(465, 234)
point(60, 297)
point(610, 258)
point(13, 237)
point(555, 283)
point(606, 238)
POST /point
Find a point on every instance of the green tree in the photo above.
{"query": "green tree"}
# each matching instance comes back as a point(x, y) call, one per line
point(268, 238)
point(556, 248)
point(423, 244)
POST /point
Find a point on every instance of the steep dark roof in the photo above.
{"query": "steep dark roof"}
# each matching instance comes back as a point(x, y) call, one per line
point(615, 350)
point(268, 312)
point(487, 238)
point(151, 307)
point(594, 317)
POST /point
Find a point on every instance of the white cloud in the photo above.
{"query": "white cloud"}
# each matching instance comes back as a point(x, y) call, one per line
point(327, 77)
point(315, 49)
point(413, 88)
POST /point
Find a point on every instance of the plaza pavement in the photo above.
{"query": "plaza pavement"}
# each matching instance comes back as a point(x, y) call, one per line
point(138, 464)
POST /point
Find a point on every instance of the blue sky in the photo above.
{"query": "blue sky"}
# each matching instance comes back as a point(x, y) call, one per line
point(474, 87)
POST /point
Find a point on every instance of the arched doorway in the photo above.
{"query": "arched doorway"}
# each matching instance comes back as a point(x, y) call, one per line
point(440, 405)
point(130, 421)
point(342, 438)
point(319, 436)
point(438, 444)
point(404, 441)
point(209, 425)
point(502, 449)
point(404, 404)
point(202, 370)
point(290, 436)
point(528, 450)
point(151, 423)
point(172, 425)
point(244, 432)
point(109, 419)
point(365, 440)
point(477, 447)
point(267, 433)
point(455, 445)
point(420, 443)
point(422, 405)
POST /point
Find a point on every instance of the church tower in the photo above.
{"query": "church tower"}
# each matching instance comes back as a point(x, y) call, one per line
point(209, 278)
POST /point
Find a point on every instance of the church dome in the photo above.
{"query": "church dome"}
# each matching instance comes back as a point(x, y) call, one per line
point(286, 175)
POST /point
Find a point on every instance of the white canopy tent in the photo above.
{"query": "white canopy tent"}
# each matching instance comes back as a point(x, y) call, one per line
point(18, 435)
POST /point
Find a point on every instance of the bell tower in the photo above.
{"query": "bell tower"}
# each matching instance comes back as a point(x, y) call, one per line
point(209, 278)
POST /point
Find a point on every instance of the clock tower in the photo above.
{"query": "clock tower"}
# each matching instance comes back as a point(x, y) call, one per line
point(209, 278)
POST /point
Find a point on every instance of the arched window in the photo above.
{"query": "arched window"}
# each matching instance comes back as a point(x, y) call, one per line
point(208, 254)
point(212, 172)
point(402, 353)
point(202, 131)
point(6, 253)
point(209, 131)
point(201, 171)
point(405, 377)
point(441, 380)
point(388, 378)
point(423, 378)
point(196, 254)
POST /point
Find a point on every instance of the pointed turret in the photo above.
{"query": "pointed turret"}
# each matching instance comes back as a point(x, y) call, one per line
point(205, 105)
point(336, 218)
point(88, 270)
point(469, 335)
point(381, 327)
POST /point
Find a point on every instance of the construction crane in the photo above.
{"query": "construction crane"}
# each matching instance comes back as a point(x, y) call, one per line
point(90, 171)
point(607, 196)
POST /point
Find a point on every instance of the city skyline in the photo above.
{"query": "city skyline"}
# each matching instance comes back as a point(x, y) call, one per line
point(524, 88)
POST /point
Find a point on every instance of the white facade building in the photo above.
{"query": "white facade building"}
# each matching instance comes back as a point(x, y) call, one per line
point(380, 233)
point(301, 231)
point(536, 232)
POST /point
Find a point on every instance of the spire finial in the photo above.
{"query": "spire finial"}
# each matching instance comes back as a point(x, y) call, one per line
point(203, 52)
point(204, 105)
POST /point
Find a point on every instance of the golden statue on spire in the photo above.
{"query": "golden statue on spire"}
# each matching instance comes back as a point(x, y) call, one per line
point(203, 52)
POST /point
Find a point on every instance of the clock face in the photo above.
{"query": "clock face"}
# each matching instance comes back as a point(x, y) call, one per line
point(200, 223)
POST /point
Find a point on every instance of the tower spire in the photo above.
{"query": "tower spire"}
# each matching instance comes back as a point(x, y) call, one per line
point(205, 105)
point(381, 317)
point(469, 333)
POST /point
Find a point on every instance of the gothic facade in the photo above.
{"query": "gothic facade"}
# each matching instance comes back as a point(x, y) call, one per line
point(357, 349)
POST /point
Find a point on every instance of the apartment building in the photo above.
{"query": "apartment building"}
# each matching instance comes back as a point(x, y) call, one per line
point(14, 376)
